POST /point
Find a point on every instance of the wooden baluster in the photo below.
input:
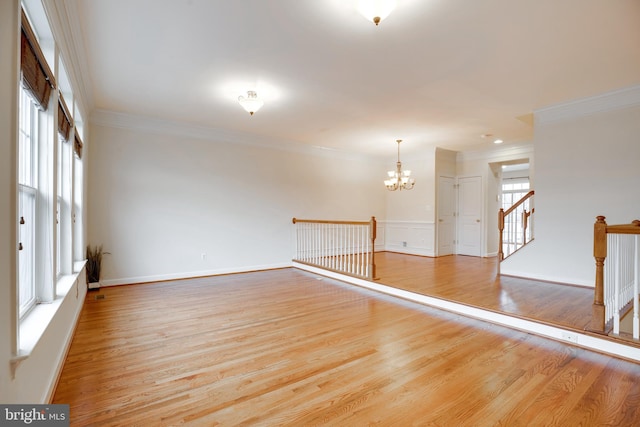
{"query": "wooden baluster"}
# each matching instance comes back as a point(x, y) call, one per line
point(372, 233)
point(525, 224)
point(337, 245)
point(332, 246)
point(325, 246)
point(361, 247)
point(354, 250)
point(342, 237)
point(615, 252)
point(316, 243)
point(599, 253)
point(636, 284)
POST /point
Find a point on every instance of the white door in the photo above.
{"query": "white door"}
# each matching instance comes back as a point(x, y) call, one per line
point(446, 223)
point(470, 216)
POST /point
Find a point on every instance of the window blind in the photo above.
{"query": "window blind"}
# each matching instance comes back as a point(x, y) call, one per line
point(64, 119)
point(77, 144)
point(36, 75)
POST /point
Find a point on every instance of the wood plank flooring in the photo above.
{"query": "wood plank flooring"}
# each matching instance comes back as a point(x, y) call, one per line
point(473, 281)
point(287, 347)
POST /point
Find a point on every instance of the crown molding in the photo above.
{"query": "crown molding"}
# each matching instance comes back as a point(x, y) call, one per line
point(610, 101)
point(114, 119)
point(66, 27)
point(499, 153)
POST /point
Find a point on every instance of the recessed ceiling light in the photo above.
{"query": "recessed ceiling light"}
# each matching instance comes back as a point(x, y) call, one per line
point(498, 141)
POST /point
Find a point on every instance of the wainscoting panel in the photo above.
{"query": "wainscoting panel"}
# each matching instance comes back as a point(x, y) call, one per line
point(380, 236)
point(410, 237)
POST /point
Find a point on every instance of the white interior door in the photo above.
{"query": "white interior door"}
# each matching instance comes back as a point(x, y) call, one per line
point(470, 216)
point(446, 221)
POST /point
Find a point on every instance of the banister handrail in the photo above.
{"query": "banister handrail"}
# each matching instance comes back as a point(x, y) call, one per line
point(604, 319)
point(513, 238)
point(346, 247)
point(633, 228)
point(519, 202)
point(325, 221)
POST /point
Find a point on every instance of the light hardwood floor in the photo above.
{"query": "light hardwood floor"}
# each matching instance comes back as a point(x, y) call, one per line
point(286, 347)
point(473, 281)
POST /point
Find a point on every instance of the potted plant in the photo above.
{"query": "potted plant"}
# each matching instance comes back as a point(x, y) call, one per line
point(94, 265)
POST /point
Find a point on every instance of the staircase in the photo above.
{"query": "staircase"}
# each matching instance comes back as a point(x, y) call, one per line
point(515, 226)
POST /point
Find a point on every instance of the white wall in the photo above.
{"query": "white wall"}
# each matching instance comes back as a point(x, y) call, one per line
point(417, 204)
point(9, 13)
point(587, 164)
point(410, 226)
point(157, 202)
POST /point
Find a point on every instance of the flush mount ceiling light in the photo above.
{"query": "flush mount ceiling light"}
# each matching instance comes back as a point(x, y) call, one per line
point(251, 103)
point(489, 135)
point(399, 179)
point(376, 10)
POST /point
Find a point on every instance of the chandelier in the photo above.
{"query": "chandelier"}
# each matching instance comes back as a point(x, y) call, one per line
point(251, 103)
point(376, 10)
point(399, 179)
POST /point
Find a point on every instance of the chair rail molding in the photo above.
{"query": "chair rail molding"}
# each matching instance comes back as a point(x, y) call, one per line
point(410, 237)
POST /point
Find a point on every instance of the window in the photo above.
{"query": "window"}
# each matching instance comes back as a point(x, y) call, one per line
point(63, 208)
point(513, 189)
point(59, 210)
point(49, 181)
point(77, 179)
point(63, 193)
point(27, 193)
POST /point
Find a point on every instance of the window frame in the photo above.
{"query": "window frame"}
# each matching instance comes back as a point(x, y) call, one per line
point(27, 185)
point(45, 160)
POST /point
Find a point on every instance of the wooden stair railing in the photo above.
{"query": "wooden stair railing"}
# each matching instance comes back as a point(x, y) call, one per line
point(346, 247)
point(616, 286)
point(514, 226)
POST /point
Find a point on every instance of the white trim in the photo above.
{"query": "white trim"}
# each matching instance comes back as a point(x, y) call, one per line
point(413, 232)
point(66, 26)
point(610, 101)
point(565, 335)
point(34, 327)
point(34, 324)
point(503, 153)
point(191, 274)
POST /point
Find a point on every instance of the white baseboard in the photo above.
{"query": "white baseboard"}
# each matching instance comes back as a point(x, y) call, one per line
point(190, 274)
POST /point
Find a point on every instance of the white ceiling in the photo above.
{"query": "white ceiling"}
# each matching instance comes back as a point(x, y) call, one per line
point(434, 73)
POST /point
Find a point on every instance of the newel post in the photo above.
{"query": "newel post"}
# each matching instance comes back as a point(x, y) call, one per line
point(500, 229)
point(599, 253)
point(372, 233)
